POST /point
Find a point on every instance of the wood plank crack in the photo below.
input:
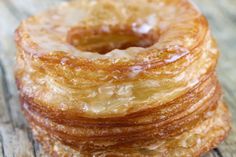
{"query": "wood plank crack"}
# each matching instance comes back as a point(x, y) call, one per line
point(34, 143)
point(218, 152)
point(2, 148)
point(6, 93)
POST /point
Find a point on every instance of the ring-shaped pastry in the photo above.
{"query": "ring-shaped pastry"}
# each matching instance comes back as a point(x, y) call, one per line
point(121, 78)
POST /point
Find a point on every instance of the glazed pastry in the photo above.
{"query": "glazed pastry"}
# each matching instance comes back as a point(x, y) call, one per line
point(121, 78)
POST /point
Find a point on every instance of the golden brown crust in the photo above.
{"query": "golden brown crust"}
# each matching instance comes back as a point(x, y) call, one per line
point(121, 78)
point(195, 142)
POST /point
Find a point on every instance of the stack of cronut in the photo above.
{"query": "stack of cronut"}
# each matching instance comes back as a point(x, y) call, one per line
point(121, 78)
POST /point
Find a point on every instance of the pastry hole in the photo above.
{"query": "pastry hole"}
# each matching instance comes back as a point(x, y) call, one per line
point(104, 40)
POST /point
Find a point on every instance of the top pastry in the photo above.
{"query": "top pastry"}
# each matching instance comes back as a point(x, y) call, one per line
point(111, 58)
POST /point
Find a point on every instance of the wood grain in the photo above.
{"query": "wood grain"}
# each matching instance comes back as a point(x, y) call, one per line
point(15, 137)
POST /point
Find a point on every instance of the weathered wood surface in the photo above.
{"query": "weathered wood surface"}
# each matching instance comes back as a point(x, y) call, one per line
point(15, 136)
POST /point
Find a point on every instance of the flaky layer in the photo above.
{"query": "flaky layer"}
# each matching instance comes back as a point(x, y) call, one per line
point(176, 119)
point(194, 142)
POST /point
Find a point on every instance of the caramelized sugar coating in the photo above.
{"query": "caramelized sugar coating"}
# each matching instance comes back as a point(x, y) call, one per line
point(121, 78)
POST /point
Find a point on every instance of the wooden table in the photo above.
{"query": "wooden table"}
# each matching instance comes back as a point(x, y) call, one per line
point(15, 136)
